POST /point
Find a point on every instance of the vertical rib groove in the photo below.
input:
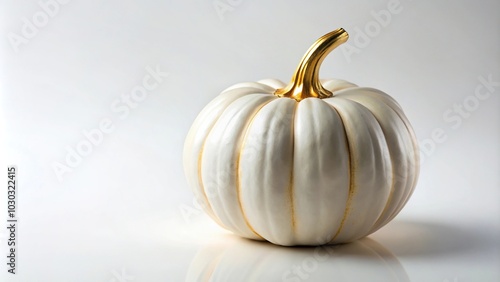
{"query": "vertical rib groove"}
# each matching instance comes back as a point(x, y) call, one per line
point(290, 187)
point(237, 168)
point(352, 183)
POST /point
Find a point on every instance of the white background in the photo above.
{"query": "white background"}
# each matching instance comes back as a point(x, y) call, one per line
point(124, 211)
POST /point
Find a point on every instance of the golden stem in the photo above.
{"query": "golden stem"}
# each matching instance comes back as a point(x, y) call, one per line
point(305, 82)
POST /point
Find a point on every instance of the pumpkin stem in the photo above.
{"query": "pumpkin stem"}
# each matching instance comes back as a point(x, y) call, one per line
point(305, 82)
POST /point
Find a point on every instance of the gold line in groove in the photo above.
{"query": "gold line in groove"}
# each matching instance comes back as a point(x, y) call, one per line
point(200, 180)
point(351, 178)
point(238, 159)
point(210, 210)
point(393, 183)
point(416, 151)
point(290, 187)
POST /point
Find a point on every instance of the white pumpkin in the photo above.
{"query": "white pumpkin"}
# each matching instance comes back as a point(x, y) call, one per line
point(311, 163)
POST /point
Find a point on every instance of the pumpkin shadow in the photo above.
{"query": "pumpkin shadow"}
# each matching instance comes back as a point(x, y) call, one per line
point(231, 258)
point(432, 239)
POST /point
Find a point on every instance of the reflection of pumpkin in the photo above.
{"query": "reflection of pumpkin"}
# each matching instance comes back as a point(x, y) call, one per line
point(305, 164)
point(234, 259)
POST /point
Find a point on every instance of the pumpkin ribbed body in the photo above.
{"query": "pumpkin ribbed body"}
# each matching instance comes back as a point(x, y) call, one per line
point(306, 172)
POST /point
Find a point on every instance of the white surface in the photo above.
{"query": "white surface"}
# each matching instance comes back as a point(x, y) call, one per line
point(121, 208)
